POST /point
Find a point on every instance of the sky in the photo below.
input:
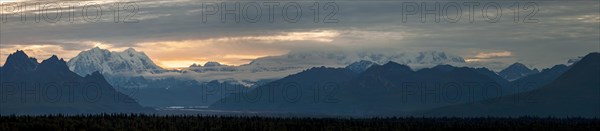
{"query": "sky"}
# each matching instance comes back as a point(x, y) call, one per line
point(176, 33)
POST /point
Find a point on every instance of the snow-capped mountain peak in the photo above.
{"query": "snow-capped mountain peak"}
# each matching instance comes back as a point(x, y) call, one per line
point(107, 62)
point(360, 66)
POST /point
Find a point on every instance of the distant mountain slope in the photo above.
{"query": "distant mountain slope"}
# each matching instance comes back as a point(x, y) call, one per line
point(394, 88)
point(516, 71)
point(575, 93)
point(312, 90)
point(167, 92)
point(493, 75)
point(129, 61)
point(538, 80)
point(50, 87)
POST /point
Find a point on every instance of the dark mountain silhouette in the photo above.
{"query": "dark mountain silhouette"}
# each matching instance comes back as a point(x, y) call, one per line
point(394, 88)
point(575, 93)
point(516, 71)
point(19, 62)
point(310, 91)
point(380, 90)
point(50, 87)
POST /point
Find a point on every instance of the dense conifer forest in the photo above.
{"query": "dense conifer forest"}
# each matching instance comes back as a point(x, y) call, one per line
point(188, 122)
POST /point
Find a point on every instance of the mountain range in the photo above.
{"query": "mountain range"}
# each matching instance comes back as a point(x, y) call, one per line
point(575, 93)
point(49, 87)
point(380, 89)
point(444, 90)
point(426, 83)
point(130, 67)
point(119, 66)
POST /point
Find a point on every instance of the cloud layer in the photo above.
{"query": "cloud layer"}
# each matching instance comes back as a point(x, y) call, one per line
point(174, 33)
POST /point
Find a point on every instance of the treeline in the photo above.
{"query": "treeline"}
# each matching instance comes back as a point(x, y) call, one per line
point(187, 122)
